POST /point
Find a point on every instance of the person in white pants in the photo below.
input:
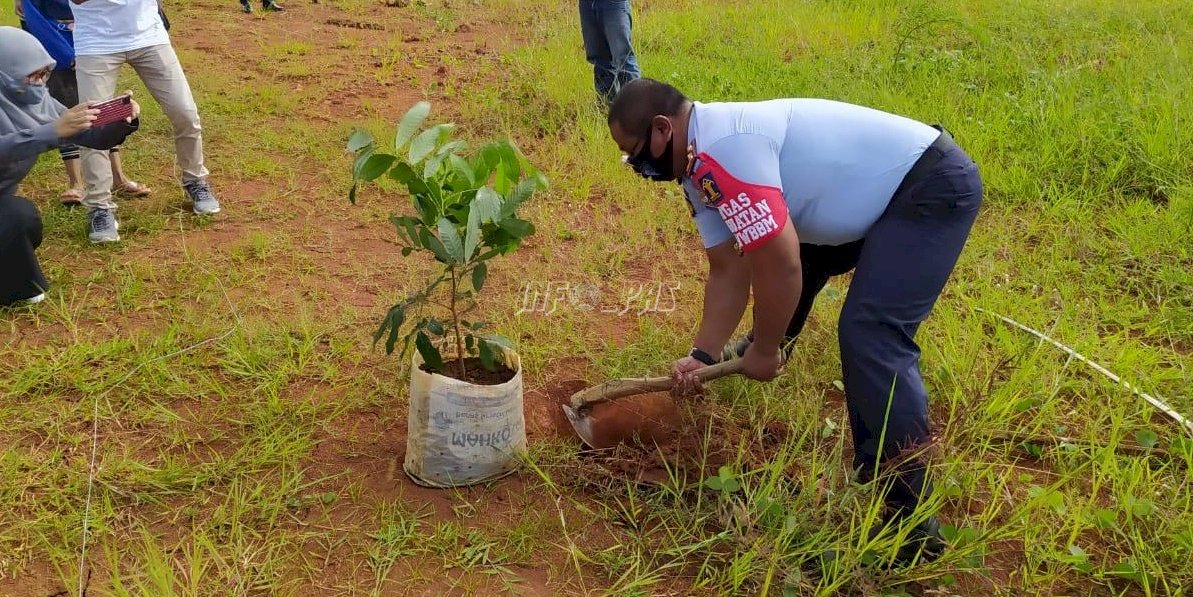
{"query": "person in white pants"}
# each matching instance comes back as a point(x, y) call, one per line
point(109, 34)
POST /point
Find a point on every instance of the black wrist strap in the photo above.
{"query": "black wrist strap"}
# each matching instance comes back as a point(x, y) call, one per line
point(702, 356)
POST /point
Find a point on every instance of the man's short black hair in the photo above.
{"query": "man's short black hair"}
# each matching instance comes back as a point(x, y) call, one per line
point(641, 100)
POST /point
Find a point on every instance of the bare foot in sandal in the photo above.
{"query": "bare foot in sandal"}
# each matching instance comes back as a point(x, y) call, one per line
point(71, 197)
point(131, 188)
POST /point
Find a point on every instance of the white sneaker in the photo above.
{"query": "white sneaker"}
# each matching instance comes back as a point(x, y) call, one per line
point(33, 300)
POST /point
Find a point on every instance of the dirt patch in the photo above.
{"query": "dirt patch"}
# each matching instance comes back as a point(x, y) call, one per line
point(38, 580)
point(547, 391)
point(475, 372)
point(664, 439)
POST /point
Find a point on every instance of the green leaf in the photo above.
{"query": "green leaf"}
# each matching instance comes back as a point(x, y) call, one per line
point(488, 360)
point(432, 167)
point(487, 205)
point(517, 197)
point(402, 172)
point(352, 194)
point(327, 497)
point(435, 327)
point(1104, 518)
point(498, 340)
point(451, 240)
point(427, 212)
point(425, 142)
point(375, 166)
point(1147, 438)
point(463, 169)
point(410, 122)
point(1141, 507)
point(472, 234)
point(449, 148)
point(358, 164)
point(428, 352)
point(479, 273)
point(405, 226)
point(517, 228)
point(396, 317)
point(431, 242)
point(359, 140)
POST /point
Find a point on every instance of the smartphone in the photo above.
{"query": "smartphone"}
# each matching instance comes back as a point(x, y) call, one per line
point(117, 108)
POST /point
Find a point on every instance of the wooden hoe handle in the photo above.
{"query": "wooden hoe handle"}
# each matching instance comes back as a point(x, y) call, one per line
point(629, 386)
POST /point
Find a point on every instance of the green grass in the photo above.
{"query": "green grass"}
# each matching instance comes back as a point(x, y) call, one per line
point(229, 357)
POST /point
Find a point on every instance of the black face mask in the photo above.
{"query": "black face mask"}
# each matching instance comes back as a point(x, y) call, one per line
point(660, 169)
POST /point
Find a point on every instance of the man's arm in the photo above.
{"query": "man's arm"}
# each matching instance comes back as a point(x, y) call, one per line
point(725, 296)
point(777, 279)
point(741, 178)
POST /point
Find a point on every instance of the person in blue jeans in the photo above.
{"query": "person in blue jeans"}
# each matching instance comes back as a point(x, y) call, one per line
point(790, 192)
point(607, 29)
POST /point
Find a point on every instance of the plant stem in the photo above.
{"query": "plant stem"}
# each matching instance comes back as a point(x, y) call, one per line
point(456, 326)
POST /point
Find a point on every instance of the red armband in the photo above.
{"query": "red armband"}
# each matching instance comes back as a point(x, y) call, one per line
point(754, 213)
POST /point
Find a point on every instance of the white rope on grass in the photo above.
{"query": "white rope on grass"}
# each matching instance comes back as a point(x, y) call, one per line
point(95, 415)
point(1156, 402)
point(95, 441)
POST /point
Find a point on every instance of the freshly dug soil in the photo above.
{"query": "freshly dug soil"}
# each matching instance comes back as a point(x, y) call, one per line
point(477, 374)
point(660, 439)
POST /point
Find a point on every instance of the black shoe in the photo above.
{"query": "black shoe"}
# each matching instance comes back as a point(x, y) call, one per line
point(924, 544)
point(271, 6)
point(246, 7)
point(737, 349)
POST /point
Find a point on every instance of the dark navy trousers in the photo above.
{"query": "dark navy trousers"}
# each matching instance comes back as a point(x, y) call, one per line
point(899, 270)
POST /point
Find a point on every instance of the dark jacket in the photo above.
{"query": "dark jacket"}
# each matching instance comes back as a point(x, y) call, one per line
point(19, 149)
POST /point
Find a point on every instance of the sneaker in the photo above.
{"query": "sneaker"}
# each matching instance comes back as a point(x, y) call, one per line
point(104, 227)
point(33, 300)
point(203, 200)
point(737, 349)
point(245, 6)
point(271, 5)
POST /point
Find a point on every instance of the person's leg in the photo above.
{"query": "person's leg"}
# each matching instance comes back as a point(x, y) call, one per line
point(618, 27)
point(159, 68)
point(118, 178)
point(163, 76)
point(21, 277)
point(818, 263)
point(596, 48)
point(907, 257)
point(64, 87)
point(122, 185)
point(97, 77)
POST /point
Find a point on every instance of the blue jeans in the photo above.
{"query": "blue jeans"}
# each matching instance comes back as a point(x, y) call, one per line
point(904, 263)
point(606, 26)
point(899, 270)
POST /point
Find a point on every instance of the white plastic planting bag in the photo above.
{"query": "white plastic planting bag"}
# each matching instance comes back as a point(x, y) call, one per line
point(460, 433)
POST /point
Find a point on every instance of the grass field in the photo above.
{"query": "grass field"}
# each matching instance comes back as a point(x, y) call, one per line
point(249, 438)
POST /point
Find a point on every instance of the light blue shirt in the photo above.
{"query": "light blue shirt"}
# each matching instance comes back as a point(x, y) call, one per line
point(837, 165)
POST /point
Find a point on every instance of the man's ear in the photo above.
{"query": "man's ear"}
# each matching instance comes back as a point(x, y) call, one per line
point(662, 123)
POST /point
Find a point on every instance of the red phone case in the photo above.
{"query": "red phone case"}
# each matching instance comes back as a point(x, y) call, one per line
point(117, 108)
